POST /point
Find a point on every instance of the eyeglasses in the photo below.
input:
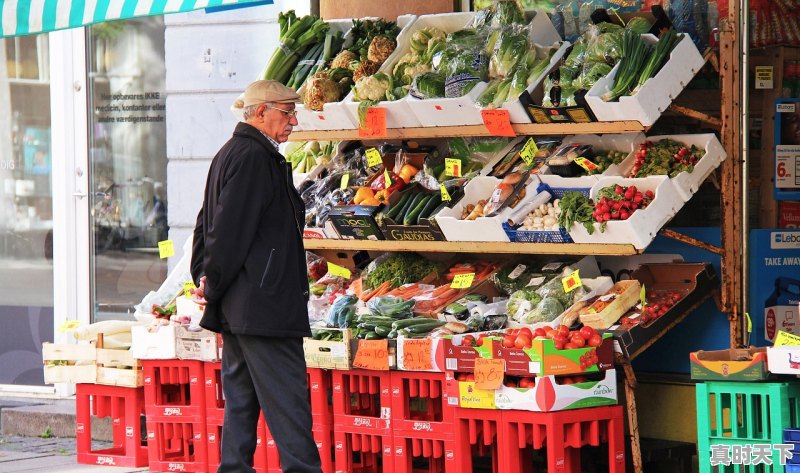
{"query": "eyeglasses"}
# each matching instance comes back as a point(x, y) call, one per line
point(290, 113)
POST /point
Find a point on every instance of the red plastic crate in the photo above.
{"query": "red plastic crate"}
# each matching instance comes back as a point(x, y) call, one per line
point(319, 390)
point(212, 386)
point(424, 455)
point(125, 406)
point(362, 401)
point(562, 433)
point(363, 453)
point(174, 391)
point(419, 405)
point(323, 436)
point(177, 446)
point(477, 434)
point(214, 430)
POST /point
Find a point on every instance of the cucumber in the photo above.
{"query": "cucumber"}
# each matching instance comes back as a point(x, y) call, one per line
point(372, 336)
point(392, 213)
point(429, 206)
point(392, 334)
point(419, 329)
point(398, 324)
point(411, 204)
point(383, 330)
point(412, 216)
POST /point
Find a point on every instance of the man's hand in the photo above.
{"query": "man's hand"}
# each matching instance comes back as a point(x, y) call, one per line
point(199, 293)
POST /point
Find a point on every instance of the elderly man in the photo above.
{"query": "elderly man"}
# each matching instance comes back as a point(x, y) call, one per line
point(249, 263)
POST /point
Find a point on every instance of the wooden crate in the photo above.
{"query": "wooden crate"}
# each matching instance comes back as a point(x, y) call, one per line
point(118, 368)
point(64, 363)
point(328, 354)
point(329, 9)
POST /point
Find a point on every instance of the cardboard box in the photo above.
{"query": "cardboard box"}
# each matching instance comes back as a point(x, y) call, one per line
point(465, 394)
point(733, 364)
point(427, 230)
point(196, 344)
point(784, 359)
point(174, 341)
point(389, 11)
point(548, 395)
point(356, 222)
point(696, 280)
point(543, 359)
point(580, 113)
point(69, 363)
point(336, 355)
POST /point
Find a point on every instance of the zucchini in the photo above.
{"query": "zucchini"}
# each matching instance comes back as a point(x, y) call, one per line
point(429, 206)
point(411, 204)
point(392, 334)
point(392, 213)
point(412, 216)
point(419, 329)
point(372, 336)
point(383, 330)
point(398, 324)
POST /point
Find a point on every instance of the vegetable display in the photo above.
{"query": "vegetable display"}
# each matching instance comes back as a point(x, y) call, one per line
point(619, 203)
point(665, 157)
point(296, 36)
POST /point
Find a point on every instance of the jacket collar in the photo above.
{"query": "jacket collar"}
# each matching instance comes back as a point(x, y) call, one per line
point(245, 129)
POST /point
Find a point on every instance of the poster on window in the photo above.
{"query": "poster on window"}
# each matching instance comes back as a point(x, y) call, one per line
point(787, 149)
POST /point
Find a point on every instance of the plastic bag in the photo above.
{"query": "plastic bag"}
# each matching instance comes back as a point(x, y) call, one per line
point(545, 311)
point(317, 266)
point(521, 302)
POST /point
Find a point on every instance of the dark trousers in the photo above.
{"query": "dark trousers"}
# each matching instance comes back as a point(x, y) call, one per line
point(267, 374)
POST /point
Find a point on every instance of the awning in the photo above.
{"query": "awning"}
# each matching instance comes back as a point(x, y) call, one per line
point(21, 17)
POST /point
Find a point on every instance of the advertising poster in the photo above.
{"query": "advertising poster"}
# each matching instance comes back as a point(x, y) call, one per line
point(787, 149)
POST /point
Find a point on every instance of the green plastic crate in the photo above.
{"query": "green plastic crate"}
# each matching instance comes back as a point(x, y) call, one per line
point(744, 413)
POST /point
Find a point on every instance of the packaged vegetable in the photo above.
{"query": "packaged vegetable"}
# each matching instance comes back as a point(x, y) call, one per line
point(547, 310)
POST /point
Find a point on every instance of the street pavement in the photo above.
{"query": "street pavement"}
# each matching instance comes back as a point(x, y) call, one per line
point(49, 455)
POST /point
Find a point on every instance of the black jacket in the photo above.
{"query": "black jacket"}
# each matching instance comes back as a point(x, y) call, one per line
point(248, 242)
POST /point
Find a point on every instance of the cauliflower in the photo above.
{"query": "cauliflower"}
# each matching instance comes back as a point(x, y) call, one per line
point(420, 38)
point(343, 60)
point(319, 91)
point(413, 70)
point(373, 87)
point(380, 48)
point(365, 68)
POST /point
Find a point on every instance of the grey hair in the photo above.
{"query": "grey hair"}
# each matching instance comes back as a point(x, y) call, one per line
point(249, 111)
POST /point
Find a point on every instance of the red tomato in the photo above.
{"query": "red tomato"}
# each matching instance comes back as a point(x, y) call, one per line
point(510, 383)
point(468, 341)
point(526, 331)
point(539, 332)
point(570, 346)
point(587, 332)
point(580, 379)
point(563, 330)
point(527, 383)
point(595, 341)
point(508, 341)
point(522, 341)
point(577, 340)
point(551, 334)
point(567, 380)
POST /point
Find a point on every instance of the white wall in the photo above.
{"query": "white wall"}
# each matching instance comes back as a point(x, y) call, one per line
point(210, 59)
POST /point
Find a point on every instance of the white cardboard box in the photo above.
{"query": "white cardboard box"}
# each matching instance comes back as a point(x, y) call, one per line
point(547, 395)
point(687, 183)
point(642, 226)
point(173, 341)
point(784, 359)
point(656, 95)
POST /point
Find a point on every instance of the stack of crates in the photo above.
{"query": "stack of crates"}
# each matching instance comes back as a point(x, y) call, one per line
point(738, 414)
point(792, 437)
point(175, 406)
point(362, 410)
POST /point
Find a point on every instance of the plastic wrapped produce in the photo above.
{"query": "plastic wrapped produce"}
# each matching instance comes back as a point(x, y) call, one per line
point(545, 311)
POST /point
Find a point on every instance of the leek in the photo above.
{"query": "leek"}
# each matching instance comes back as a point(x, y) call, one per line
point(656, 60)
point(635, 53)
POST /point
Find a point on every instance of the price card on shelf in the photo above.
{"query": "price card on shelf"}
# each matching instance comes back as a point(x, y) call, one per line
point(417, 354)
point(529, 151)
point(571, 282)
point(643, 297)
point(345, 181)
point(585, 164)
point(387, 178)
point(462, 281)
point(68, 326)
point(498, 122)
point(372, 355)
point(452, 167)
point(165, 249)
point(445, 195)
point(337, 270)
point(786, 339)
point(373, 157)
point(187, 288)
point(374, 124)
point(489, 373)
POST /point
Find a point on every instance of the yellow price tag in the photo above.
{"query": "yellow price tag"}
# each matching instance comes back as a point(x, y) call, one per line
point(529, 151)
point(445, 195)
point(187, 288)
point(585, 164)
point(749, 323)
point(165, 249)
point(643, 297)
point(786, 339)
point(387, 178)
point(373, 158)
point(68, 326)
point(345, 181)
point(337, 270)
point(571, 282)
point(452, 167)
point(462, 281)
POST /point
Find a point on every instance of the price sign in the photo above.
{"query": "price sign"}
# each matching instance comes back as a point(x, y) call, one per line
point(749, 322)
point(68, 326)
point(345, 181)
point(489, 373)
point(585, 164)
point(187, 288)
point(387, 179)
point(373, 157)
point(643, 297)
point(445, 194)
point(764, 77)
point(374, 124)
point(372, 355)
point(529, 151)
point(462, 281)
point(452, 167)
point(417, 354)
point(337, 270)
point(571, 282)
point(786, 339)
point(165, 249)
point(498, 122)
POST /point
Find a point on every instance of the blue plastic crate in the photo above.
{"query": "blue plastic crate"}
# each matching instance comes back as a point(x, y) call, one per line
point(791, 468)
point(558, 192)
point(791, 435)
point(529, 236)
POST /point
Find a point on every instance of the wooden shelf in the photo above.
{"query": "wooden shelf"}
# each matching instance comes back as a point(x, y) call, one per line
point(475, 130)
point(472, 247)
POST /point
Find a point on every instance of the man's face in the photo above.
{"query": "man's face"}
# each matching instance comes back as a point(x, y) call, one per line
point(274, 121)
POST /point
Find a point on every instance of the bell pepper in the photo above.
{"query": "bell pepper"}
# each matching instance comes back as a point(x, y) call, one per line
point(379, 183)
point(362, 194)
point(397, 184)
